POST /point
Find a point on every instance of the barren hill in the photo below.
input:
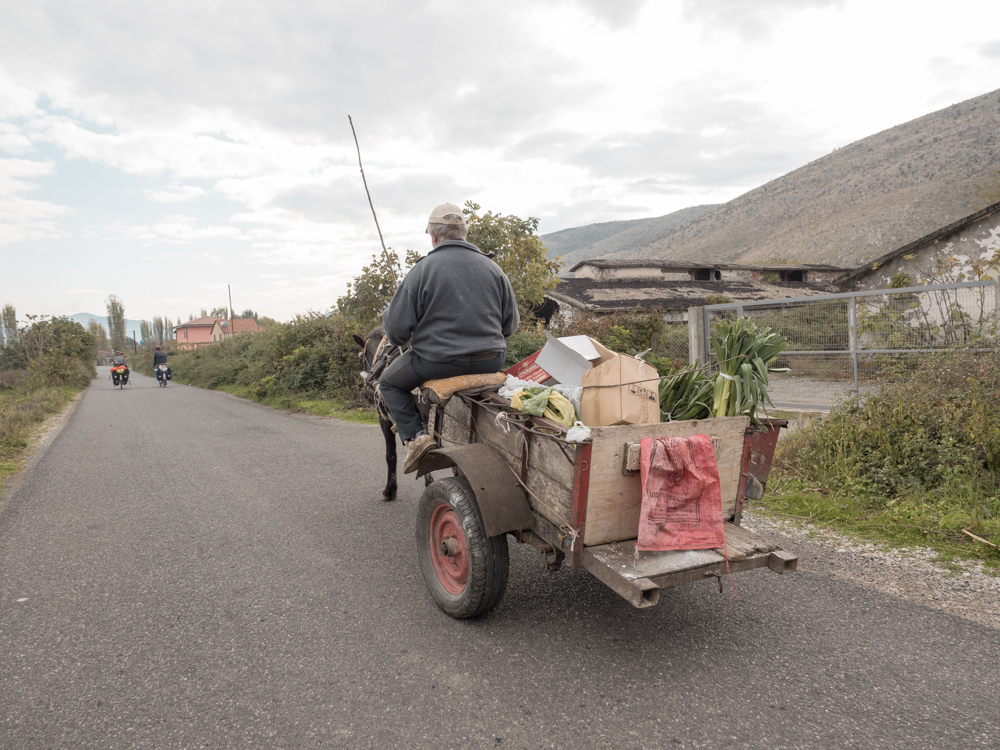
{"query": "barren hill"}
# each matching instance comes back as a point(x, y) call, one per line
point(566, 241)
point(600, 240)
point(856, 203)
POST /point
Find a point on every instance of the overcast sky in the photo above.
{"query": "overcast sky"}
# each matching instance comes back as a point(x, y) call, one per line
point(160, 151)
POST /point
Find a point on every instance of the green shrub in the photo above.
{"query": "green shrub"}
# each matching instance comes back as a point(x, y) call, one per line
point(933, 430)
point(523, 344)
point(313, 356)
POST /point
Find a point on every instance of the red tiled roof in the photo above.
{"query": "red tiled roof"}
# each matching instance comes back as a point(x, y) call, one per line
point(206, 321)
point(242, 325)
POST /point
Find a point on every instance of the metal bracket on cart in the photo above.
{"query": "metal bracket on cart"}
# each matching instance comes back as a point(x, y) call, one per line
point(552, 558)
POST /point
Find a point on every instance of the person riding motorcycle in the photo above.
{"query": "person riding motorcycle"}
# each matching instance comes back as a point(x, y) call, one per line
point(116, 373)
point(160, 363)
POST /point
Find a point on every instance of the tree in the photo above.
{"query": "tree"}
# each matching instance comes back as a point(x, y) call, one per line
point(219, 312)
point(248, 313)
point(161, 329)
point(369, 294)
point(518, 251)
point(100, 335)
point(513, 241)
point(145, 332)
point(116, 322)
point(8, 321)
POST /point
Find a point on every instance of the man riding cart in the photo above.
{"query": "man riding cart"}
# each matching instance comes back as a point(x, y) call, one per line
point(455, 309)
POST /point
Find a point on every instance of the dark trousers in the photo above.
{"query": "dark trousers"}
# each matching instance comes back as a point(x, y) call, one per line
point(410, 371)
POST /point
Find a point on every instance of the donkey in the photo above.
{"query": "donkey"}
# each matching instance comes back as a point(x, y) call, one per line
point(374, 358)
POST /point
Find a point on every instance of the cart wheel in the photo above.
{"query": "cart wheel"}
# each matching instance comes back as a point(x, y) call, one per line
point(465, 570)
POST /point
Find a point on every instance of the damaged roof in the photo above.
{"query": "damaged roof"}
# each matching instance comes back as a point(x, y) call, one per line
point(615, 296)
point(680, 265)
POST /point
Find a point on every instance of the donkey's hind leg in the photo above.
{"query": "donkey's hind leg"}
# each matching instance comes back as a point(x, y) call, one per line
point(389, 493)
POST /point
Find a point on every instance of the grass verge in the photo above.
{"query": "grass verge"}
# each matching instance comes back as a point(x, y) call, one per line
point(931, 524)
point(319, 406)
point(22, 412)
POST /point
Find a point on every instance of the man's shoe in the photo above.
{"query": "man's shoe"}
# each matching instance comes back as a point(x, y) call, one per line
point(416, 449)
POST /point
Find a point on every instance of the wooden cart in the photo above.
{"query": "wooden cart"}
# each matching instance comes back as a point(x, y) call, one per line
point(577, 503)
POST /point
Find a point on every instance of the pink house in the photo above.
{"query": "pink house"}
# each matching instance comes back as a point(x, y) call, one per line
point(195, 333)
point(223, 328)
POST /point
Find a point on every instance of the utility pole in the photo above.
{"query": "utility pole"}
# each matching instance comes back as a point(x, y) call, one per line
point(231, 329)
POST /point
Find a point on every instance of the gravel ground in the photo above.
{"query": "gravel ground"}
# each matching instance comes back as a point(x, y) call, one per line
point(909, 574)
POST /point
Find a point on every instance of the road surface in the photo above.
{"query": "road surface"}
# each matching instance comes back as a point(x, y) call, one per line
point(184, 569)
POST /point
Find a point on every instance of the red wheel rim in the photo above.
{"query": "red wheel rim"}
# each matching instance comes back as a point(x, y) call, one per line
point(449, 549)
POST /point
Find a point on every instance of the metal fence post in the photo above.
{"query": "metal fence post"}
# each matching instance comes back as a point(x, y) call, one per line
point(852, 337)
point(706, 335)
point(696, 336)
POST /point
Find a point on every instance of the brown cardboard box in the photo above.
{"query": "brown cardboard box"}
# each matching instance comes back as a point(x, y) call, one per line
point(631, 394)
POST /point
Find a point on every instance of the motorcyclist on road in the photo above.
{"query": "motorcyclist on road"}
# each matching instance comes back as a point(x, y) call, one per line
point(119, 361)
point(160, 363)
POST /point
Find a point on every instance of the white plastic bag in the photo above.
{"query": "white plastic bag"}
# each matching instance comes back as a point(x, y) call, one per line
point(578, 433)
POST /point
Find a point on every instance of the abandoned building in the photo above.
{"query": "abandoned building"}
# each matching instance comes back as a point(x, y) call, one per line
point(601, 287)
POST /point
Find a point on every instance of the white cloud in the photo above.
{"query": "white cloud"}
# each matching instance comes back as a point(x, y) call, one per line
point(570, 110)
point(175, 194)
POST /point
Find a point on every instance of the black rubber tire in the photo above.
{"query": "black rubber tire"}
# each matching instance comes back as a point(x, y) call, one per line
point(488, 557)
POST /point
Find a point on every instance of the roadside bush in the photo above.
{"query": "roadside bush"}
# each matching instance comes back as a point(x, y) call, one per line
point(523, 344)
point(52, 351)
point(934, 435)
point(313, 356)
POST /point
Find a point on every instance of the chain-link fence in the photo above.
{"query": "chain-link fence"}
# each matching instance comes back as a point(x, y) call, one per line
point(676, 341)
point(843, 343)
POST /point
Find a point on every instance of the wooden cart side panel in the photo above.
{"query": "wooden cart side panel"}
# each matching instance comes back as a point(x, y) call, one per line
point(549, 470)
point(615, 499)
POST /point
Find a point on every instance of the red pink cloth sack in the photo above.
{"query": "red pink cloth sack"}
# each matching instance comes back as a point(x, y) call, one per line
point(681, 495)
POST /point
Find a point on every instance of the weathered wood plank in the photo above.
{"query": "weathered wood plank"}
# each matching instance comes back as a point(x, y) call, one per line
point(622, 558)
point(615, 498)
point(549, 470)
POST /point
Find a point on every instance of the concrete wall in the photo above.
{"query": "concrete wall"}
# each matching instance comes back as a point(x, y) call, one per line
point(640, 273)
point(977, 244)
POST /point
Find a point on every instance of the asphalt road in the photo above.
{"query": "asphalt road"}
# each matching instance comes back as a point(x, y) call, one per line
point(183, 569)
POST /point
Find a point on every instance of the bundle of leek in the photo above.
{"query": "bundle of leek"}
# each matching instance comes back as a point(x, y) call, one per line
point(686, 394)
point(744, 354)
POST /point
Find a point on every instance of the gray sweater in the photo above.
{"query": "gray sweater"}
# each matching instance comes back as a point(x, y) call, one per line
point(453, 303)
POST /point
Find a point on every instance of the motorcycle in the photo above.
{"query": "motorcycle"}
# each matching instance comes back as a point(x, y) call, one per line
point(119, 376)
point(163, 374)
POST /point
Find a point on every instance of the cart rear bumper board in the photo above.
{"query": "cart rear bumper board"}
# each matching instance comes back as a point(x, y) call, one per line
point(638, 577)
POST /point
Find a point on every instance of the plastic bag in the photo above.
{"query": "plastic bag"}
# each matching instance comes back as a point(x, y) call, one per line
point(512, 385)
point(532, 401)
point(545, 402)
point(578, 433)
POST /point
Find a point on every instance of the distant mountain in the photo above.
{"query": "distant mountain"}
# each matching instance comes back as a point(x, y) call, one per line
point(132, 327)
point(567, 241)
point(855, 204)
point(600, 240)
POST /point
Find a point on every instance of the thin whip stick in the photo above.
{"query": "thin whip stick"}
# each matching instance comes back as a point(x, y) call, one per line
point(367, 192)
